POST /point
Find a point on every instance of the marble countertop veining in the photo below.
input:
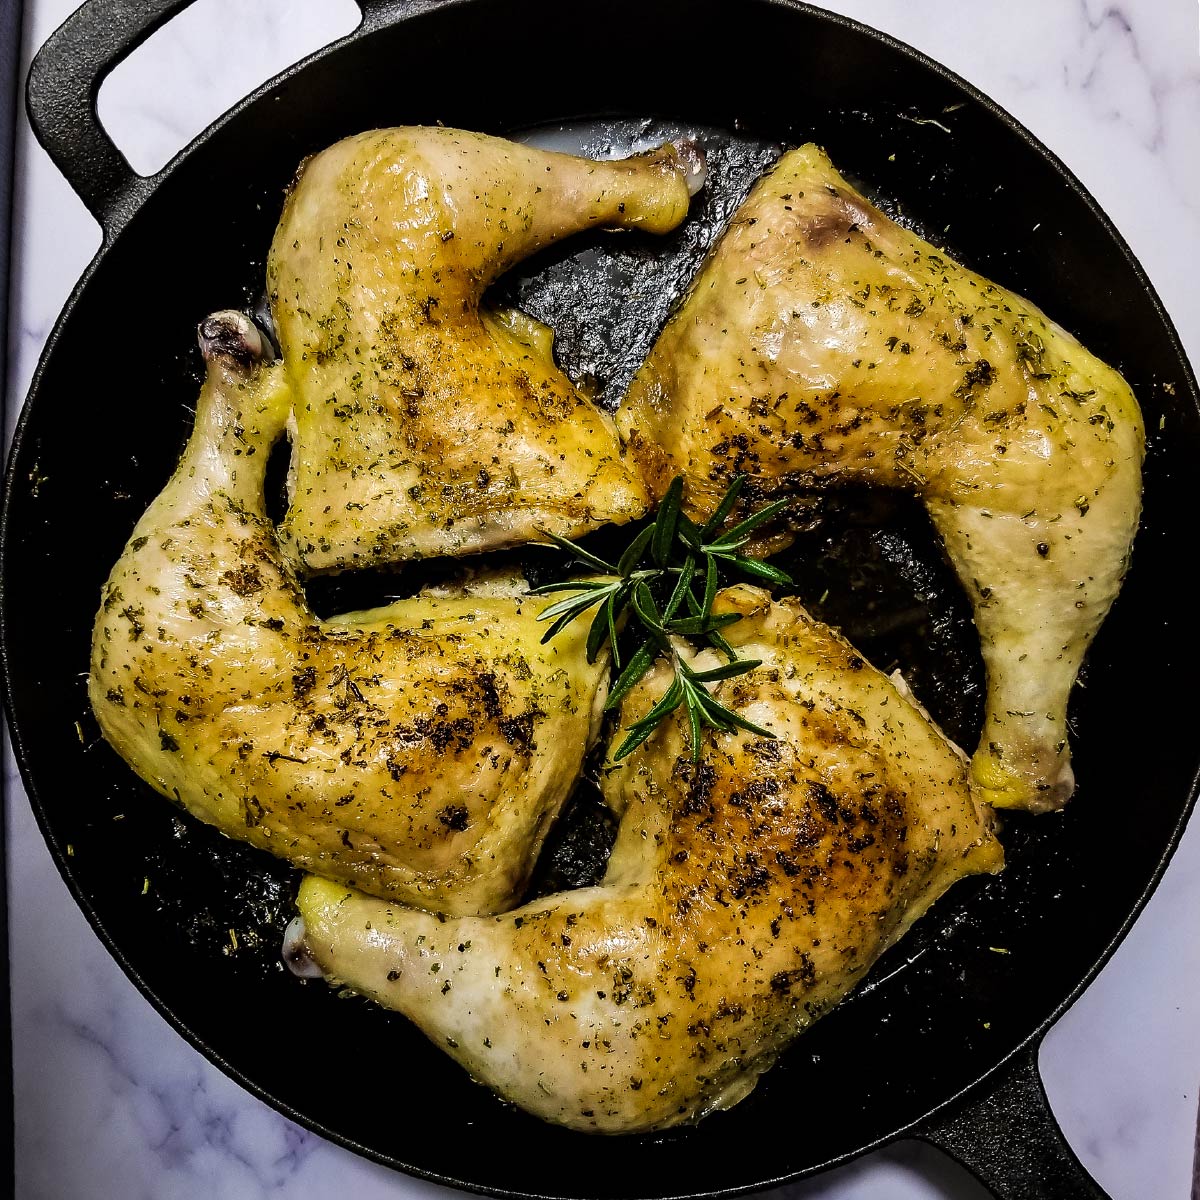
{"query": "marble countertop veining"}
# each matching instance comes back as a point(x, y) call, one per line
point(111, 1102)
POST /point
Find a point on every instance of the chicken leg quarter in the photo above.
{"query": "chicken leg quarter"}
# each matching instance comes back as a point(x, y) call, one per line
point(423, 426)
point(745, 895)
point(417, 751)
point(823, 342)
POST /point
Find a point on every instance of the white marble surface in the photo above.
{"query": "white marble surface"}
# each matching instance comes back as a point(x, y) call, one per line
point(110, 1102)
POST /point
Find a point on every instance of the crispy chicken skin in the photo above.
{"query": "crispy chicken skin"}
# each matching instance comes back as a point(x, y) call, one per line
point(746, 894)
point(822, 342)
point(417, 751)
point(423, 426)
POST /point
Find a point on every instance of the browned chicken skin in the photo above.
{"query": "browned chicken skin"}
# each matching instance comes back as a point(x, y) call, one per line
point(417, 751)
point(823, 342)
point(423, 426)
point(746, 894)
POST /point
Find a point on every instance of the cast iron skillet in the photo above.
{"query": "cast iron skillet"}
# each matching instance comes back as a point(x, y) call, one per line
point(941, 1042)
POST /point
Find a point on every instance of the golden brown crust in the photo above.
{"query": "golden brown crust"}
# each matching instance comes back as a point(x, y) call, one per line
point(821, 343)
point(746, 894)
point(417, 751)
point(422, 426)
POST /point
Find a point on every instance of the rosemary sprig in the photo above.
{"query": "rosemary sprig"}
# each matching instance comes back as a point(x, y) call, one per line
point(655, 582)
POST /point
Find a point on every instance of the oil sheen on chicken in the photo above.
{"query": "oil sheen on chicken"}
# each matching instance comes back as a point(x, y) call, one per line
point(417, 751)
point(423, 426)
point(823, 342)
point(746, 894)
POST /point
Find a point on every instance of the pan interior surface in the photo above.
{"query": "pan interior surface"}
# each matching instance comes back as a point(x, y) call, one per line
point(993, 962)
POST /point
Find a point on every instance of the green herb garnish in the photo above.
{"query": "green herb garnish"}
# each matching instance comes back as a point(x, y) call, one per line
point(656, 581)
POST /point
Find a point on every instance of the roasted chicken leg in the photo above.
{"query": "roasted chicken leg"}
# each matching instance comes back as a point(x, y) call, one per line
point(423, 426)
point(418, 751)
point(823, 342)
point(746, 894)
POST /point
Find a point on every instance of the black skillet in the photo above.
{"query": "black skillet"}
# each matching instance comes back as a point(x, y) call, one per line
point(941, 1041)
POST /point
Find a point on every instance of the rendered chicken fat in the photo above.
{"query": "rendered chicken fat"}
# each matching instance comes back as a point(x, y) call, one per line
point(417, 751)
point(746, 894)
point(822, 342)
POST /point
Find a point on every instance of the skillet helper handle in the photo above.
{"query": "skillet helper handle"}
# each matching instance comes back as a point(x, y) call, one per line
point(65, 78)
point(1009, 1140)
point(64, 81)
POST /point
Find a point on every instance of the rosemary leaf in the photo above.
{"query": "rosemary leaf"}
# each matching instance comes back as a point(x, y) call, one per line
point(631, 676)
point(578, 552)
point(667, 522)
point(689, 532)
point(598, 632)
point(727, 671)
point(716, 709)
point(635, 738)
point(725, 550)
point(667, 558)
point(635, 550)
point(568, 585)
point(576, 604)
point(610, 617)
point(759, 569)
point(669, 702)
point(714, 720)
point(710, 587)
point(742, 528)
point(646, 609)
point(682, 587)
point(695, 723)
point(717, 640)
point(559, 626)
point(702, 626)
point(724, 508)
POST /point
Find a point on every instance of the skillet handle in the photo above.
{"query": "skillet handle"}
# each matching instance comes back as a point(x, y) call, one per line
point(60, 96)
point(1009, 1140)
point(65, 78)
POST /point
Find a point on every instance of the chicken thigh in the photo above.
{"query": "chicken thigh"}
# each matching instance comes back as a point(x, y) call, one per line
point(746, 894)
point(423, 426)
point(822, 342)
point(417, 751)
